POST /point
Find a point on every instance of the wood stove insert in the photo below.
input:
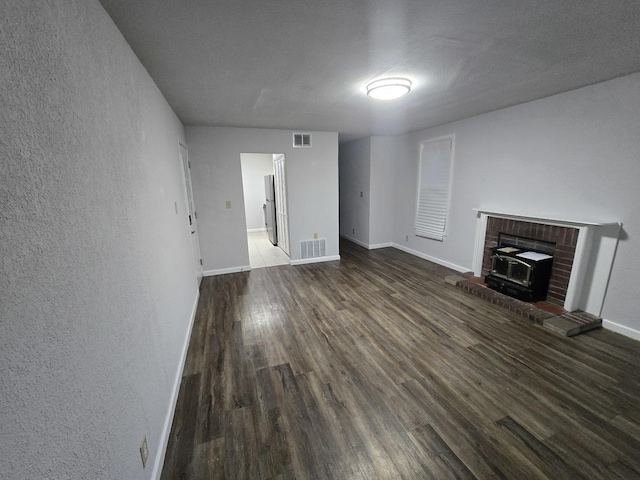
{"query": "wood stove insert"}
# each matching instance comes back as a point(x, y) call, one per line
point(520, 273)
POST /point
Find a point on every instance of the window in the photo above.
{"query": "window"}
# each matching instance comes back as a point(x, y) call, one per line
point(434, 187)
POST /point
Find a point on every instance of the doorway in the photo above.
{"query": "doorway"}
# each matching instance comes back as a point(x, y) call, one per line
point(192, 215)
point(267, 225)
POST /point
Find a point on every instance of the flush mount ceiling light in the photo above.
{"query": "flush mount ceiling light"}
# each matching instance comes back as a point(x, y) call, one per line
point(389, 88)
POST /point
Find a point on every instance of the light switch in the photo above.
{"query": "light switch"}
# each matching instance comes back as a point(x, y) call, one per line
point(228, 203)
point(175, 204)
point(361, 194)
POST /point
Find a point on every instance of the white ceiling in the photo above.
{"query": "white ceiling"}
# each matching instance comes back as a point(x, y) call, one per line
point(304, 64)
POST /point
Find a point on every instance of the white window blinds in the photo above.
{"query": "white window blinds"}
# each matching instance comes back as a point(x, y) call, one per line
point(433, 188)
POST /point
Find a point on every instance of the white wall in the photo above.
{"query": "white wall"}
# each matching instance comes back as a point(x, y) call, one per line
point(355, 177)
point(368, 166)
point(312, 185)
point(573, 155)
point(384, 151)
point(97, 281)
point(254, 167)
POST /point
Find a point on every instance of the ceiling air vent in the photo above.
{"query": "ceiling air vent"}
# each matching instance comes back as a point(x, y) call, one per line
point(301, 140)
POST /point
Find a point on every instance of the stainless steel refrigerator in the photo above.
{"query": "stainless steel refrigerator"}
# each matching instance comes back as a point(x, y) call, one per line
point(270, 209)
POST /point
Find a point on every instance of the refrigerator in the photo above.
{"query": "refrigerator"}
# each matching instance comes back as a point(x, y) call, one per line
point(270, 209)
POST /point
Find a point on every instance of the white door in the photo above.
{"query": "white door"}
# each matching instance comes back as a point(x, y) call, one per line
point(282, 215)
point(191, 212)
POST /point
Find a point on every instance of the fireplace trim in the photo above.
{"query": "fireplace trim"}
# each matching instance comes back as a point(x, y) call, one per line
point(593, 260)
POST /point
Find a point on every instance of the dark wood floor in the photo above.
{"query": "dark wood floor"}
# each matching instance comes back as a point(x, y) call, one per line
point(374, 368)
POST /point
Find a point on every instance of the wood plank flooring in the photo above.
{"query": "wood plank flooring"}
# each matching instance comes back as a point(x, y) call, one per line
point(374, 368)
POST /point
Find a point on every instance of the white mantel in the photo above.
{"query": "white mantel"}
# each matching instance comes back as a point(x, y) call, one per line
point(592, 263)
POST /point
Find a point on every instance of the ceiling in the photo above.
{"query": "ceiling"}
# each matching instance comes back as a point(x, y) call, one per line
point(304, 65)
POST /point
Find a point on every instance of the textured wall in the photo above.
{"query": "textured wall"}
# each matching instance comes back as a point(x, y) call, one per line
point(97, 283)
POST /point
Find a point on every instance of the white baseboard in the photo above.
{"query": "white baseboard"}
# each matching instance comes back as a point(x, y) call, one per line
point(355, 240)
point(621, 329)
point(224, 271)
point(168, 421)
point(303, 261)
point(249, 230)
point(424, 256)
point(380, 245)
point(439, 261)
point(366, 245)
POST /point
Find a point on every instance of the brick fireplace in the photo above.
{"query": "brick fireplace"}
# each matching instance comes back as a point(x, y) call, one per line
point(582, 257)
point(564, 238)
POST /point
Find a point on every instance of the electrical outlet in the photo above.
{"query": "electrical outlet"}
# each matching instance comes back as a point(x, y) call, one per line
point(175, 204)
point(144, 451)
point(315, 236)
point(406, 238)
point(361, 194)
point(228, 203)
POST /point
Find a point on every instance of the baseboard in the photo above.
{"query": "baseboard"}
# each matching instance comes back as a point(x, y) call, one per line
point(439, 261)
point(166, 431)
point(303, 261)
point(250, 230)
point(355, 240)
point(380, 245)
point(424, 256)
point(224, 271)
point(366, 245)
point(621, 329)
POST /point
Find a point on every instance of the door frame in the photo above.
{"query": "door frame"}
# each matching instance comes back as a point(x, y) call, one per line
point(280, 179)
point(192, 217)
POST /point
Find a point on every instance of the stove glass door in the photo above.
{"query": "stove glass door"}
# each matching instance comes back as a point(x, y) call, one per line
point(500, 266)
point(520, 272)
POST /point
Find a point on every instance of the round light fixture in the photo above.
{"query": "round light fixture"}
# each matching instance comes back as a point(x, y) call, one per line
point(389, 88)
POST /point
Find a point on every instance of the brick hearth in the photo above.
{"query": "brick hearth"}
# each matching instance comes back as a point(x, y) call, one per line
point(549, 316)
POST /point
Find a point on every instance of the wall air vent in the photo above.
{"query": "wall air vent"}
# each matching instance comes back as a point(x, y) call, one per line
point(301, 140)
point(313, 248)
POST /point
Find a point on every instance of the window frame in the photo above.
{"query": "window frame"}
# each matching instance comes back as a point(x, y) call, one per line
point(417, 231)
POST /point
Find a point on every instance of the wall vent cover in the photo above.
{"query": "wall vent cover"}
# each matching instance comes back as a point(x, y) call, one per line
point(301, 140)
point(313, 248)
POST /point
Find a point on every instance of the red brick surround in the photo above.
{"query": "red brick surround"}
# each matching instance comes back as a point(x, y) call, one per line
point(565, 239)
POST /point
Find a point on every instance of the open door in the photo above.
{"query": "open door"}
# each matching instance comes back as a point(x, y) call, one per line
point(282, 215)
point(193, 223)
